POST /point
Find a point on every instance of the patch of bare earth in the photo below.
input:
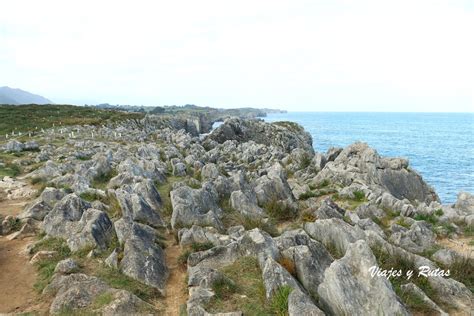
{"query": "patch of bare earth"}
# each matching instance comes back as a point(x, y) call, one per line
point(176, 287)
point(17, 275)
point(460, 245)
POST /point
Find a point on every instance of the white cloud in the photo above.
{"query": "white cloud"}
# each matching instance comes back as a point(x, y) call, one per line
point(306, 55)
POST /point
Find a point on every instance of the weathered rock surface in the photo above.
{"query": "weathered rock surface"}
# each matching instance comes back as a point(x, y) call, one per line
point(362, 163)
point(285, 135)
point(348, 288)
point(195, 207)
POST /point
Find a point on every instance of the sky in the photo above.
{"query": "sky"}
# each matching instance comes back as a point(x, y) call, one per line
point(296, 55)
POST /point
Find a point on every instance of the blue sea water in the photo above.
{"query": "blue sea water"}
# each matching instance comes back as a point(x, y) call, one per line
point(438, 145)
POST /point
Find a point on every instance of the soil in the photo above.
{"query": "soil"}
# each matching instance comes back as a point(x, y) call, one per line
point(176, 287)
point(17, 275)
point(460, 245)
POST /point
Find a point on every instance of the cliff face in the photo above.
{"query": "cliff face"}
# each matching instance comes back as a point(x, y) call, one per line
point(249, 206)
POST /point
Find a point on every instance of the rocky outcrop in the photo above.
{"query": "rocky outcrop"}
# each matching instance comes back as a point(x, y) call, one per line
point(349, 289)
point(143, 259)
point(284, 135)
point(359, 162)
point(195, 207)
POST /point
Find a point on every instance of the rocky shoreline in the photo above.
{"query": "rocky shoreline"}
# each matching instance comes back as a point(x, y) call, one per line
point(251, 206)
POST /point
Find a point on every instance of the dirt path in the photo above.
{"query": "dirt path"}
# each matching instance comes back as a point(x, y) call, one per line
point(176, 288)
point(17, 275)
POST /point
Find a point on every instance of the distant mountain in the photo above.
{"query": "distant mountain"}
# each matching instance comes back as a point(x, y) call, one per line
point(17, 96)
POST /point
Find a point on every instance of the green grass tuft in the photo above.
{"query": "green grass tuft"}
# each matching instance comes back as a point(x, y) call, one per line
point(279, 302)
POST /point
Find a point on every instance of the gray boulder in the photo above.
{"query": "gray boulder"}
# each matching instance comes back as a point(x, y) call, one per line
point(275, 276)
point(14, 146)
point(329, 209)
point(143, 259)
point(94, 229)
point(334, 233)
point(273, 186)
point(300, 304)
point(246, 204)
point(195, 207)
point(465, 202)
point(310, 263)
point(349, 289)
point(417, 239)
point(209, 172)
point(136, 208)
point(65, 215)
point(66, 266)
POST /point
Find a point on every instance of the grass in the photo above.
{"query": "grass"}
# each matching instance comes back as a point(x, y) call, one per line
point(90, 196)
point(307, 195)
point(386, 261)
point(307, 216)
point(305, 161)
point(279, 211)
point(102, 300)
point(353, 203)
point(279, 302)
point(402, 222)
point(183, 258)
point(26, 118)
point(46, 266)
point(101, 181)
point(10, 170)
point(359, 196)
point(224, 288)
point(439, 212)
point(15, 224)
point(233, 218)
point(240, 288)
point(429, 218)
point(115, 210)
point(462, 270)
point(116, 279)
point(201, 246)
point(164, 191)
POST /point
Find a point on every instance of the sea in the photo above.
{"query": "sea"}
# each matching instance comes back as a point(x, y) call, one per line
point(438, 145)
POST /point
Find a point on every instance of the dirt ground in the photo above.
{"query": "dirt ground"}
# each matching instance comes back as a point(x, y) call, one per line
point(17, 275)
point(176, 287)
point(460, 245)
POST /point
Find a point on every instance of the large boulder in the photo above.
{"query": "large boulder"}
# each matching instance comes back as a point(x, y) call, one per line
point(465, 202)
point(310, 262)
point(79, 293)
point(334, 233)
point(63, 218)
point(246, 204)
point(135, 207)
point(273, 186)
point(94, 229)
point(417, 239)
point(195, 207)
point(349, 288)
point(39, 208)
point(143, 259)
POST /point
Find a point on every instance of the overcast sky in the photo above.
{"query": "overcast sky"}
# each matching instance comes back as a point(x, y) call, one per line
point(297, 55)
